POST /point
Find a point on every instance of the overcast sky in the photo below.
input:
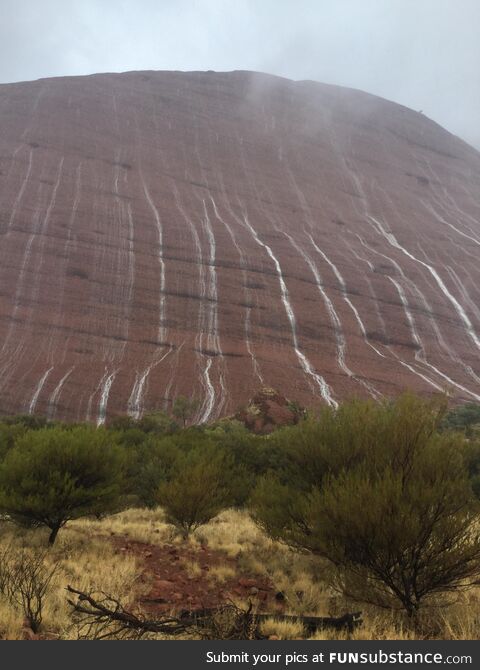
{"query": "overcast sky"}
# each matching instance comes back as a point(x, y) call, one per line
point(422, 53)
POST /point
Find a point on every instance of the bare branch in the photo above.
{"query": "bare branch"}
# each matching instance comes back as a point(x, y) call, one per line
point(105, 617)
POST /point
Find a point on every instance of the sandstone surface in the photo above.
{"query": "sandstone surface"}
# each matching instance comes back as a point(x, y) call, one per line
point(209, 234)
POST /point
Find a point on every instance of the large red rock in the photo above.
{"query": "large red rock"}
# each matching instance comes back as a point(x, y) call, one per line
point(269, 410)
point(166, 233)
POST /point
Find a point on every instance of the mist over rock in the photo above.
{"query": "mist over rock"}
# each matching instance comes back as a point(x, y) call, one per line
point(206, 234)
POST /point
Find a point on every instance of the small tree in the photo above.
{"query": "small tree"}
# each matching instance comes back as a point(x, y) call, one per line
point(54, 475)
point(158, 422)
point(397, 522)
point(184, 408)
point(26, 579)
point(472, 460)
point(9, 434)
point(465, 418)
point(198, 489)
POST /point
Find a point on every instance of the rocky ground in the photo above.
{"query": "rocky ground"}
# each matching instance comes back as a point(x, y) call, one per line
point(180, 577)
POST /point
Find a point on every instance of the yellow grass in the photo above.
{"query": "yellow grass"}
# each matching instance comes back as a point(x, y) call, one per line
point(283, 630)
point(85, 562)
point(221, 573)
point(88, 561)
point(192, 568)
point(140, 525)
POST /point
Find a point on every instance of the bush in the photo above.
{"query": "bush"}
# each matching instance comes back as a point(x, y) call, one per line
point(54, 475)
point(29, 421)
point(149, 464)
point(472, 460)
point(157, 422)
point(465, 418)
point(9, 434)
point(184, 408)
point(386, 500)
point(200, 488)
point(24, 580)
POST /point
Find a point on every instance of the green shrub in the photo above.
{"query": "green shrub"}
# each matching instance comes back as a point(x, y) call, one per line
point(200, 487)
point(184, 408)
point(9, 434)
point(158, 422)
point(472, 460)
point(384, 498)
point(54, 475)
point(465, 418)
point(29, 421)
point(147, 465)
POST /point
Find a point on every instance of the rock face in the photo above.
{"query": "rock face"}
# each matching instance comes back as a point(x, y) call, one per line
point(269, 410)
point(166, 233)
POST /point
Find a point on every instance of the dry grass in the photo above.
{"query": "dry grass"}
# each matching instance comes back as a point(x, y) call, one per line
point(140, 525)
point(88, 561)
point(192, 568)
point(232, 532)
point(303, 581)
point(298, 577)
point(283, 630)
point(221, 573)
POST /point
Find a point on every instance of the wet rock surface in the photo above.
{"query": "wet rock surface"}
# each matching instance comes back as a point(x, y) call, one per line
point(210, 234)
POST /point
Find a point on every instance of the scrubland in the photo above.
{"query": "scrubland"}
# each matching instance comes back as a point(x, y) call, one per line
point(372, 507)
point(87, 559)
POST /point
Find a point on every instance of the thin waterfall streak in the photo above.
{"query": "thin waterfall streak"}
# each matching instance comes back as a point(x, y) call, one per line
point(248, 310)
point(136, 400)
point(161, 261)
point(392, 240)
point(325, 390)
point(420, 349)
point(21, 192)
point(104, 395)
point(38, 390)
point(343, 289)
point(341, 343)
point(53, 400)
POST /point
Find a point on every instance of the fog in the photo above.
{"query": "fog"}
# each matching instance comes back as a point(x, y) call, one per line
point(422, 53)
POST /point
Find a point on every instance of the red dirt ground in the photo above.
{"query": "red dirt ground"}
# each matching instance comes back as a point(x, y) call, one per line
point(173, 589)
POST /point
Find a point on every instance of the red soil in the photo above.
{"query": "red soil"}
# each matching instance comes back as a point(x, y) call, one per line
point(171, 587)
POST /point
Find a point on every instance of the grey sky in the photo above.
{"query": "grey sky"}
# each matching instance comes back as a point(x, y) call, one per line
point(422, 53)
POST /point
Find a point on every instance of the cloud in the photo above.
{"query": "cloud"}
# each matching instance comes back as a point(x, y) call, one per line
point(421, 53)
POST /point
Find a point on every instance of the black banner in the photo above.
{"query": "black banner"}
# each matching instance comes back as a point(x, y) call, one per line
point(197, 655)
